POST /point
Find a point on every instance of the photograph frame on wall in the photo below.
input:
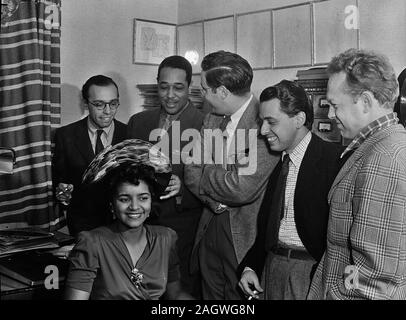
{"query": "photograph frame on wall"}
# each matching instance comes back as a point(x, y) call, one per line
point(295, 38)
point(259, 51)
point(153, 41)
point(330, 23)
point(219, 34)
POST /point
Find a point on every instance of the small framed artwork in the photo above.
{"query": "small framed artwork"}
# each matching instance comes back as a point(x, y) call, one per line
point(153, 41)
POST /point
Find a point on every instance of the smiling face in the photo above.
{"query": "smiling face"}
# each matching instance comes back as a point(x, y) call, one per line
point(132, 204)
point(281, 131)
point(344, 109)
point(173, 89)
point(102, 118)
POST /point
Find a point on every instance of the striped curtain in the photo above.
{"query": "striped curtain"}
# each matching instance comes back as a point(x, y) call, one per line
point(29, 112)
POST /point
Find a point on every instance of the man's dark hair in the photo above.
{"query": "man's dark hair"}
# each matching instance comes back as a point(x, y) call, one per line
point(99, 80)
point(177, 62)
point(293, 99)
point(228, 69)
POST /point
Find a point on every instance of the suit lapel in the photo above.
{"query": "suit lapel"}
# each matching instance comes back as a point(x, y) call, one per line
point(83, 142)
point(358, 153)
point(118, 134)
point(186, 118)
point(151, 124)
point(309, 167)
point(247, 121)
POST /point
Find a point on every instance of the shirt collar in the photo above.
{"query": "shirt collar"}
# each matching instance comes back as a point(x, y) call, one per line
point(92, 128)
point(297, 154)
point(376, 125)
point(236, 116)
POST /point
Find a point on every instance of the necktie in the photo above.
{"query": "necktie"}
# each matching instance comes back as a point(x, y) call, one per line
point(165, 126)
point(99, 144)
point(277, 206)
point(224, 122)
point(167, 123)
point(279, 195)
point(223, 126)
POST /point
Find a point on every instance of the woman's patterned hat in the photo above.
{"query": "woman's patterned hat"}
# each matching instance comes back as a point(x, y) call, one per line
point(129, 152)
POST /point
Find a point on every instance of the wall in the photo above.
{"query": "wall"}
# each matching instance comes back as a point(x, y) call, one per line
point(97, 39)
point(381, 28)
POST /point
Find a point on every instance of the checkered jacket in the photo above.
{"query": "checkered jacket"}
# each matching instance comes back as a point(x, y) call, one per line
point(366, 241)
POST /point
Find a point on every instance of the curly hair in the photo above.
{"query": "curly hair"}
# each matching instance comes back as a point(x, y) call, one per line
point(367, 71)
point(133, 174)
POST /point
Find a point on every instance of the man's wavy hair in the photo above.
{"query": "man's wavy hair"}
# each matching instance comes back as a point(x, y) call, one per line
point(229, 70)
point(293, 99)
point(367, 71)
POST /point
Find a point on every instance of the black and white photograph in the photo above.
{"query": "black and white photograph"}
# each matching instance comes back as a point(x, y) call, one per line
point(220, 153)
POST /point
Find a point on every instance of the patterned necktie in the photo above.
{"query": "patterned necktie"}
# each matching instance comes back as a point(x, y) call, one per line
point(99, 144)
point(167, 123)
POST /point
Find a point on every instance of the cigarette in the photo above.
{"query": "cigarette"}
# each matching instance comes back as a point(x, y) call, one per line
point(251, 297)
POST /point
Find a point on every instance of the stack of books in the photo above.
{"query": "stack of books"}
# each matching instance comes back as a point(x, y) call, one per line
point(32, 268)
point(149, 92)
point(25, 239)
point(29, 255)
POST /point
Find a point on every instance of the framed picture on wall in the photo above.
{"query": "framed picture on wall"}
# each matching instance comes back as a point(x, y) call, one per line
point(153, 41)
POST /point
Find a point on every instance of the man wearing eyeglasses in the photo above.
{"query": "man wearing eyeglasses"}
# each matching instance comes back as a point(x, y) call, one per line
point(77, 144)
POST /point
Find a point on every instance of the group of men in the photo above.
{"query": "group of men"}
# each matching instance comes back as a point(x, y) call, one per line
point(266, 208)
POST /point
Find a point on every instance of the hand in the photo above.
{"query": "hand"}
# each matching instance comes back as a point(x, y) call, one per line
point(173, 187)
point(249, 284)
point(64, 193)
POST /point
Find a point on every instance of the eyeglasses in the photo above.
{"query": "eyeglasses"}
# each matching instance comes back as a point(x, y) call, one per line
point(100, 105)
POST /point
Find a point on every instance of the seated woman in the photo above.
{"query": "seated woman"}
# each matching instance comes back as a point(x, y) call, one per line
point(127, 259)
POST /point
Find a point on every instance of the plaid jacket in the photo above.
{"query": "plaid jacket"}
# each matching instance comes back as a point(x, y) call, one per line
point(366, 241)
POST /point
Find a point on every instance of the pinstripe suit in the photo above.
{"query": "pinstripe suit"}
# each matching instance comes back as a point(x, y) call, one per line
point(367, 224)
